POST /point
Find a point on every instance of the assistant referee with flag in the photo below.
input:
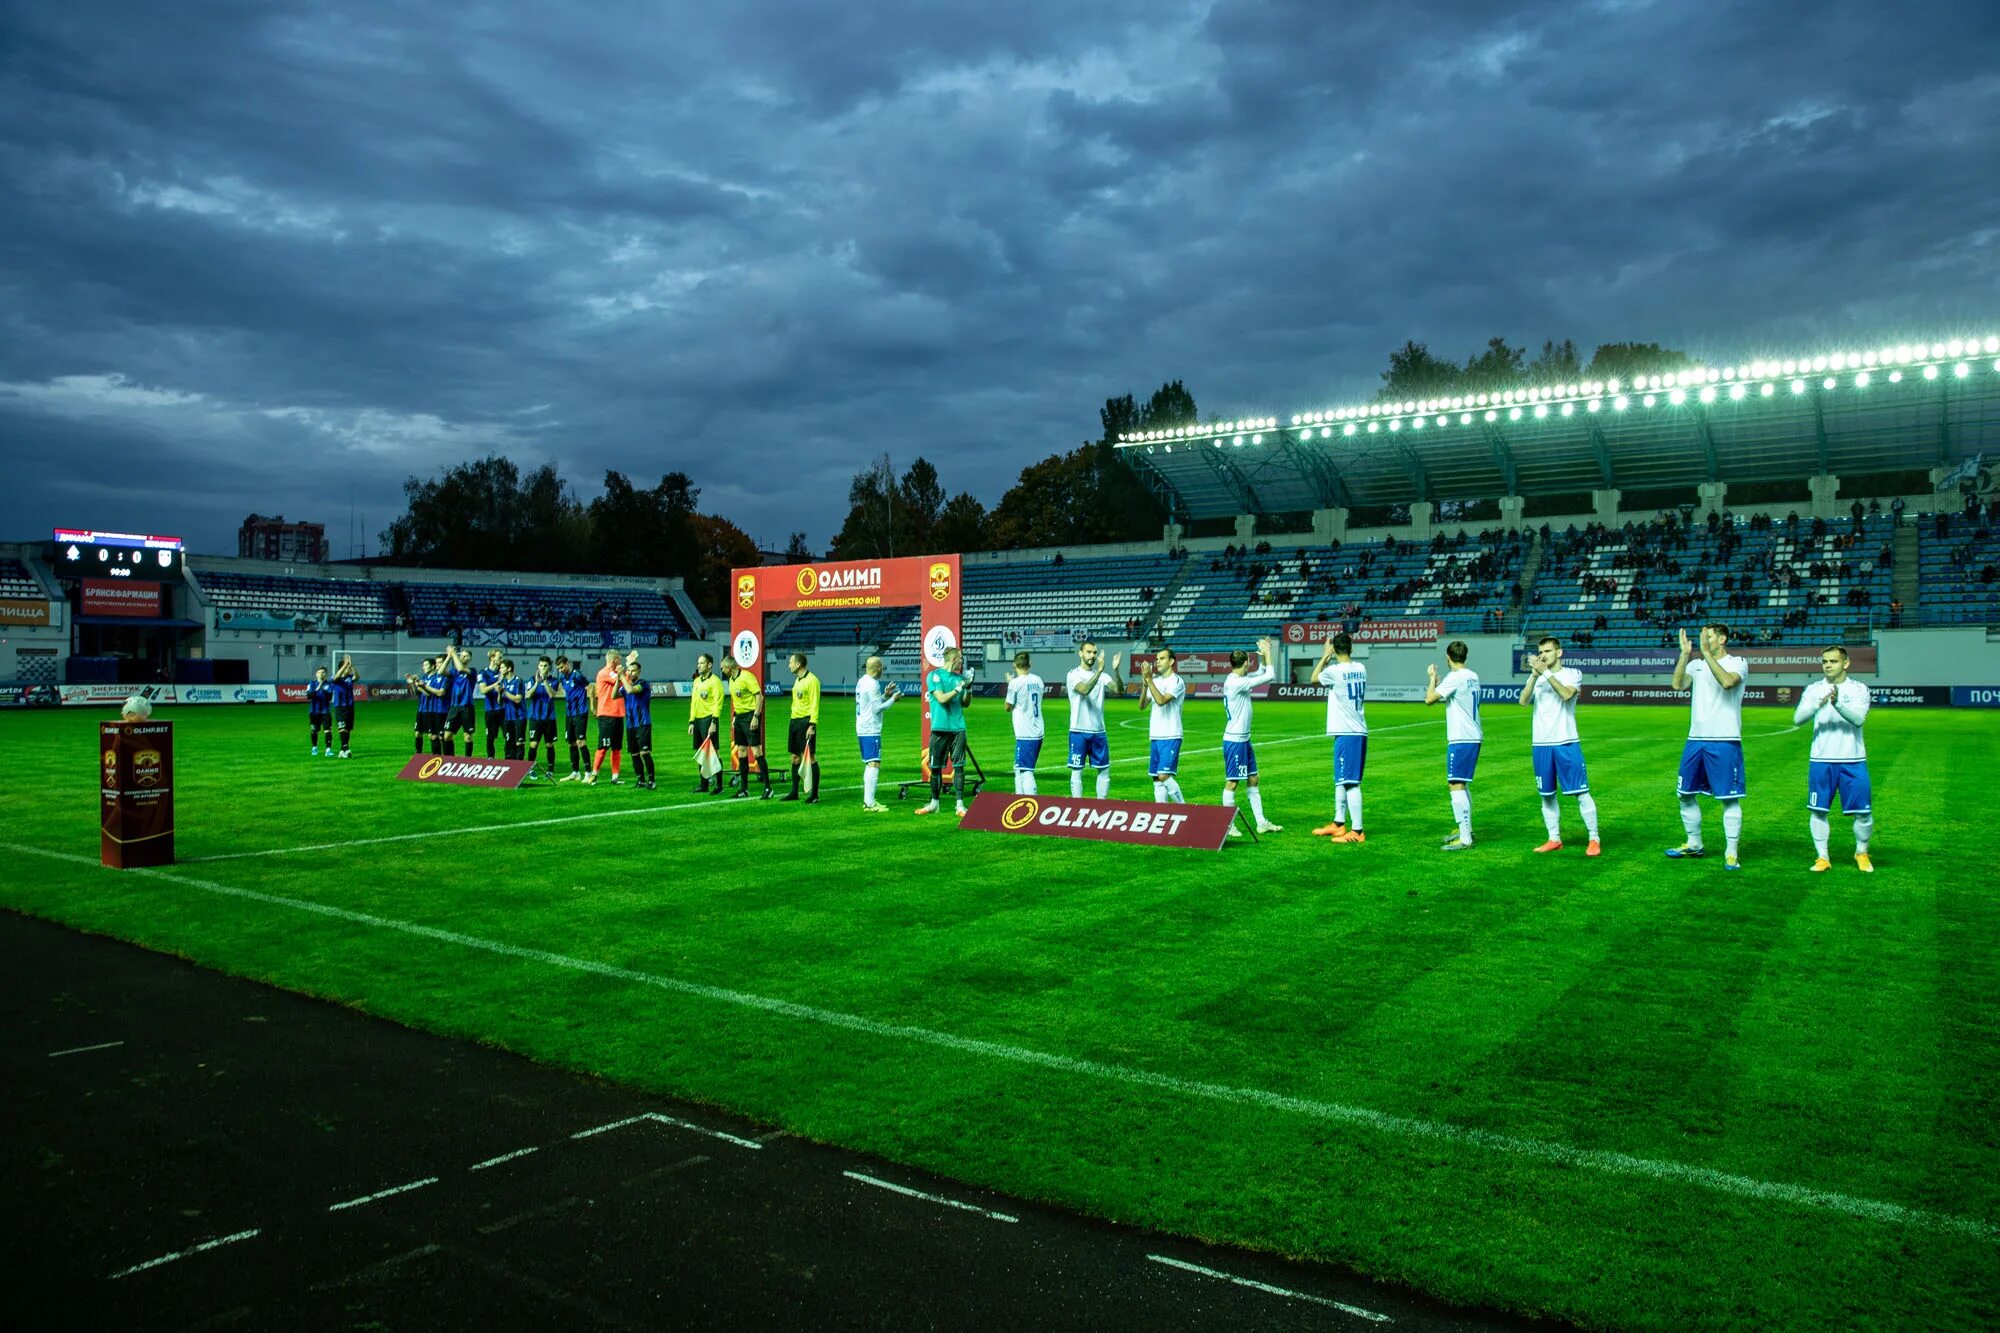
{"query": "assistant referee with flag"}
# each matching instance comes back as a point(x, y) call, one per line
point(705, 722)
point(802, 743)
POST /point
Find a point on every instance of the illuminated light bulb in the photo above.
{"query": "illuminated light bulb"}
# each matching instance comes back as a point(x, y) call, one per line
point(1374, 427)
point(1326, 432)
point(1768, 389)
point(1937, 349)
point(1465, 418)
point(1620, 403)
point(1993, 344)
point(1708, 394)
point(1861, 380)
point(1677, 397)
point(1798, 386)
point(1868, 358)
point(1736, 392)
point(1996, 366)
point(1594, 405)
point(1569, 409)
point(1513, 414)
point(1730, 373)
point(1895, 377)
point(1930, 372)
point(1828, 382)
point(1541, 410)
point(1256, 439)
point(1956, 347)
point(1347, 429)
point(1295, 418)
point(1714, 375)
point(1648, 400)
point(1396, 424)
point(1961, 370)
point(1416, 423)
point(1819, 363)
point(1492, 416)
point(1443, 420)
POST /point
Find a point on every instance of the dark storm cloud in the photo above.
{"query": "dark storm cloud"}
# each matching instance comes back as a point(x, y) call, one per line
point(270, 257)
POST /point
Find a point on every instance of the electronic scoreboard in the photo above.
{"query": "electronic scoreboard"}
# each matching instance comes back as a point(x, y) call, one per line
point(82, 553)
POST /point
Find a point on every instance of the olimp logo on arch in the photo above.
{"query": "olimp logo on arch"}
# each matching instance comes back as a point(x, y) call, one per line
point(846, 578)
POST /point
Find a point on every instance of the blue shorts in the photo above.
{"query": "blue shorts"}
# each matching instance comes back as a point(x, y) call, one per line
point(1163, 758)
point(1560, 768)
point(1027, 753)
point(1713, 768)
point(1089, 749)
point(1350, 756)
point(871, 749)
point(1239, 761)
point(1848, 781)
point(1461, 760)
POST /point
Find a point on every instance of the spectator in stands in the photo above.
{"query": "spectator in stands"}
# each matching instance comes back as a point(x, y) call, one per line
point(1895, 613)
point(1896, 510)
point(1857, 510)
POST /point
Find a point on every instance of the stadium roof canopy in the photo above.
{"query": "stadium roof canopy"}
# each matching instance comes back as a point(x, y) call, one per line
point(1894, 408)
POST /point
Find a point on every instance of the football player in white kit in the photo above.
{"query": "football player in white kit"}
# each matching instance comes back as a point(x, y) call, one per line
point(1239, 760)
point(1712, 759)
point(1165, 690)
point(1551, 691)
point(1024, 705)
point(871, 699)
point(1346, 683)
point(1089, 747)
point(1459, 693)
point(1837, 706)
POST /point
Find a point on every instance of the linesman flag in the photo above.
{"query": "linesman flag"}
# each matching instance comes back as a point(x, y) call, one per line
point(811, 773)
point(706, 761)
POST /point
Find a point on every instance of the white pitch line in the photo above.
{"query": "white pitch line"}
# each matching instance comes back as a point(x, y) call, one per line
point(1382, 1122)
point(79, 1050)
point(182, 1254)
point(503, 1157)
point(606, 1129)
point(703, 1129)
point(1341, 1306)
point(928, 1198)
point(384, 1194)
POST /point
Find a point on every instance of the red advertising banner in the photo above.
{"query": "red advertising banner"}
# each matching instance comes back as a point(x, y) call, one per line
point(1367, 631)
point(118, 597)
point(1145, 822)
point(934, 584)
point(466, 772)
point(17, 611)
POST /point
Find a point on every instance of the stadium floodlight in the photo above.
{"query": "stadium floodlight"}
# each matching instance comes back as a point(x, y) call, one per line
point(1568, 408)
point(1677, 397)
point(1798, 386)
point(1395, 423)
point(1868, 358)
point(1996, 366)
point(1620, 403)
point(1993, 343)
point(1348, 429)
point(1736, 392)
point(1256, 439)
point(1767, 389)
point(1649, 400)
point(1861, 380)
point(1930, 372)
point(1961, 370)
point(1611, 385)
point(1374, 426)
point(1828, 382)
point(1416, 423)
point(1708, 394)
point(1594, 405)
point(1956, 347)
point(1714, 376)
point(1492, 415)
point(1443, 420)
point(1895, 377)
point(1819, 363)
point(1465, 418)
point(1513, 414)
point(1937, 349)
point(1541, 410)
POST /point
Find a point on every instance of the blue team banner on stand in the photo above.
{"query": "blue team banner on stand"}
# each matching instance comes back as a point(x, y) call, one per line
point(1975, 696)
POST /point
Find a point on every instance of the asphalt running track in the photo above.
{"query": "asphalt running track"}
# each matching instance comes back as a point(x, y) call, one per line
point(184, 1149)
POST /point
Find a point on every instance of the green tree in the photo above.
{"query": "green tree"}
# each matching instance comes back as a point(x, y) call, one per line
point(797, 550)
point(920, 500)
point(722, 548)
point(961, 525)
point(1557, 364)
point(1624, 361)
point(1415, 373)
point(1498, 367)
point(483, 515)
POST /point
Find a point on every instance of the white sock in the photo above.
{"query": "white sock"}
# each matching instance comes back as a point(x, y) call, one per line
point(1174, 792)
point(1354, 808)
point(1552, 818)
point(1732, 827)
point(1864, 829)
point(1028, 776)
point(1691, 821)
point(870, 775)
point(1159, 791)
point(1461, 810)
point(1024, 782)
point(1339, 804)
point(1257, 805)
point(1822, 829)
point(1076, 782)
point(1588, 809)
point(1229, 797)
point(1103, 783)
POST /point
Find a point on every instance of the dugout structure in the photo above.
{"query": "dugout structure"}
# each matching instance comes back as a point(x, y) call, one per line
point(934, 584)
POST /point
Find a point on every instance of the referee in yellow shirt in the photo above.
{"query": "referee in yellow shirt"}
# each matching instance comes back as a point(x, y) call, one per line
point(746, 727)
point(705, 717)
point(802, 743)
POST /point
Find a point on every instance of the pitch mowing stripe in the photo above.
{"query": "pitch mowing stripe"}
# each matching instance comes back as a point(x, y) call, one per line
point(1562, 1154)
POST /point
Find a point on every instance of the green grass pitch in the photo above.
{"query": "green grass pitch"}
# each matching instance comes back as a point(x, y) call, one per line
point(1627, 1092)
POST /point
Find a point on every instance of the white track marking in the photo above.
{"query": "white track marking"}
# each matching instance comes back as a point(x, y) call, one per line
point(1354, 1310)
point(182, 1254)
point(79, 1050)
point(384, 1194)
point(928, 1198)
point(503, 1157)
point(606, 1129)
point(703, 1129)
point(1382, 1122)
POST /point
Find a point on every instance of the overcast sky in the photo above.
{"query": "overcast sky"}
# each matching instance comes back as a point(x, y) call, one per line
point(279, 256)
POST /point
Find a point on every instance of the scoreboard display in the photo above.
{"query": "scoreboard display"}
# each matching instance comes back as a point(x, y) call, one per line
point(84, 553)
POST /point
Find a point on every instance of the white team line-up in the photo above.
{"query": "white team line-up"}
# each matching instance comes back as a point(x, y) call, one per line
point(1359, 1117)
